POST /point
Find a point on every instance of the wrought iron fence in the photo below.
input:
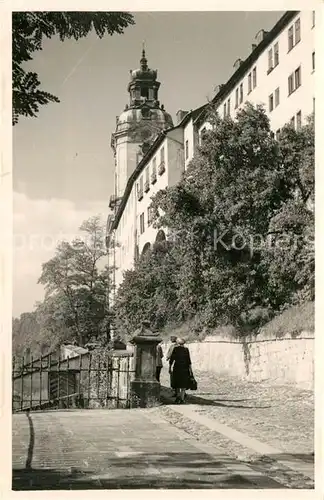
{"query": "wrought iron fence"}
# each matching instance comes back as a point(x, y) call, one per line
point(85, 381)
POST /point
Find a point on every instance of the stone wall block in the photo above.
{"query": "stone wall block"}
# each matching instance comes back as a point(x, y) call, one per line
point(278, 361)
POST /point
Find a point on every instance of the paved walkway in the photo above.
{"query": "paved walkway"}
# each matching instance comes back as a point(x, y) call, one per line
point(268, 426)
point(108, 449)
point(230, 434)
point(282, 416)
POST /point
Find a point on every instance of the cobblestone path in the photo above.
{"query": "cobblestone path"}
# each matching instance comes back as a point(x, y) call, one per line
point(281, 417)
point(109, 449)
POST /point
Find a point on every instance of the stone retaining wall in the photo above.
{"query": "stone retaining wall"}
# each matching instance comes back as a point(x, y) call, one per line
point(279, 361)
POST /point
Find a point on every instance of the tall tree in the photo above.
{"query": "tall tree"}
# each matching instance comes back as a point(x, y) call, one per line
point(290, 258)
point(76, 282)
point(148, 291)
point(28, 32)
point(242, 195)
point(24, 330)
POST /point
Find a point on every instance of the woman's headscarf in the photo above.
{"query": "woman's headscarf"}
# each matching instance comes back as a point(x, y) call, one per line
point(181, 341)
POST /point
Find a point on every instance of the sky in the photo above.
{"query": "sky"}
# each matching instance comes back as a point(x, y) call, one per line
point(62, 160)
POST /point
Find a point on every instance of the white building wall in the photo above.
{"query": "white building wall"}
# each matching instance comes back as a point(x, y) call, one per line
point(129, 224)
point(175, 149)
point(175, 157)
point(173, 154)
point(121, 166)
point(149, 234)
point(125, 239)
point(289, 61)
point(189, 143)
point(126, 157)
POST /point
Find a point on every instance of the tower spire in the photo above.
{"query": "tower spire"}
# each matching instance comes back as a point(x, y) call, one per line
point(143, 60)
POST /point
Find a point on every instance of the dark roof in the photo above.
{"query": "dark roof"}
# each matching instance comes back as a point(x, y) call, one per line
point(251, 59)
point(192, 114)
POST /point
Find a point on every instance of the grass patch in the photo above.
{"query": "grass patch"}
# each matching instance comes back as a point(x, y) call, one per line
point(187, 331)
point(293, 321)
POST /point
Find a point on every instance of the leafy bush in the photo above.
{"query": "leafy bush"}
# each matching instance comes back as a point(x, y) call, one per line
point(242, 225)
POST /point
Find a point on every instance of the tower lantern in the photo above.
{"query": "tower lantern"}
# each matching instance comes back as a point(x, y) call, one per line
point(141, 121)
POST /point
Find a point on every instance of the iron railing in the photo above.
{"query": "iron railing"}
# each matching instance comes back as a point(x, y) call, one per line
point(85, 381)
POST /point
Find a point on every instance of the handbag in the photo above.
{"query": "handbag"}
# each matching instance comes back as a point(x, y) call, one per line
point(192, 383)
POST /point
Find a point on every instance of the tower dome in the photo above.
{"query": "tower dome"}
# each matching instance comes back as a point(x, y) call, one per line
point(144, 73)
point(143, 115)
point(139, 124)
point(149, 117)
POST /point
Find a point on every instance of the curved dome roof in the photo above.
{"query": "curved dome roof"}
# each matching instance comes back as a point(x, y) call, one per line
point(136, 115)
point(143, 74)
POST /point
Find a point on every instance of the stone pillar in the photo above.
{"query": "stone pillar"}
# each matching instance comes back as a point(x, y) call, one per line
point(145, 389)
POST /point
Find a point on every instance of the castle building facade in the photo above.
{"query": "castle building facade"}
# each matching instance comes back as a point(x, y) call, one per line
point(152, 153)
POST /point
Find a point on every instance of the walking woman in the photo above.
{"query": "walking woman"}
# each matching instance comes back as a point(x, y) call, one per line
point(159, 364)
point(180, 370)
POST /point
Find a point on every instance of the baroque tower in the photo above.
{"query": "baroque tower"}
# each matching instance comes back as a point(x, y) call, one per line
point(138, 125)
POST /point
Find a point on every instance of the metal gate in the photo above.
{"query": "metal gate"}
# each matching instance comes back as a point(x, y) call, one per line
point(85, 381)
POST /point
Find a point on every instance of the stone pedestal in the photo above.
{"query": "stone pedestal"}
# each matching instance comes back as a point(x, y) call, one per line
point(145, 389)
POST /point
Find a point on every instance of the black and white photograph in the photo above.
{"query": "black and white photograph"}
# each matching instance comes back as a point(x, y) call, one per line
point(163, 260)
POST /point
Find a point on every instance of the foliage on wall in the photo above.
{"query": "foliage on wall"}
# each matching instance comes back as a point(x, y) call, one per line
point(239, 250)
point(241, 226)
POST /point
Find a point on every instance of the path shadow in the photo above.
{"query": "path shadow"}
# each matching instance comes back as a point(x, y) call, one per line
point(145, 471)
point(31, 444)
point(308, 458)
point(167, 398)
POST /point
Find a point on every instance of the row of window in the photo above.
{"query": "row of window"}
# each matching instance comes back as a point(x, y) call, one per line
point(187, 150)
point(294, 80)
point(295, 121)
point(239, 93)
point(294, 37)
point(142, 220)
point(138, 92)
point(145, 180)
point(273, 57)
point(274, 99)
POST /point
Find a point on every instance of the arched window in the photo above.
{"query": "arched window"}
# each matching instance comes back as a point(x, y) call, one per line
point(146, 248)
point(160, 236)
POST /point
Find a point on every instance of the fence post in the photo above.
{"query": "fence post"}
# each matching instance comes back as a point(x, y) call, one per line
point(22, 384)
point(49, 392)
point(59, 382)
point(13, 398)
point(40, 382)
point(145, 389)
point(67, 381)
point(31, 384)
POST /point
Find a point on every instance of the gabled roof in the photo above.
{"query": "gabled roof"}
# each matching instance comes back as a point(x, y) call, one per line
point(193, 114)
